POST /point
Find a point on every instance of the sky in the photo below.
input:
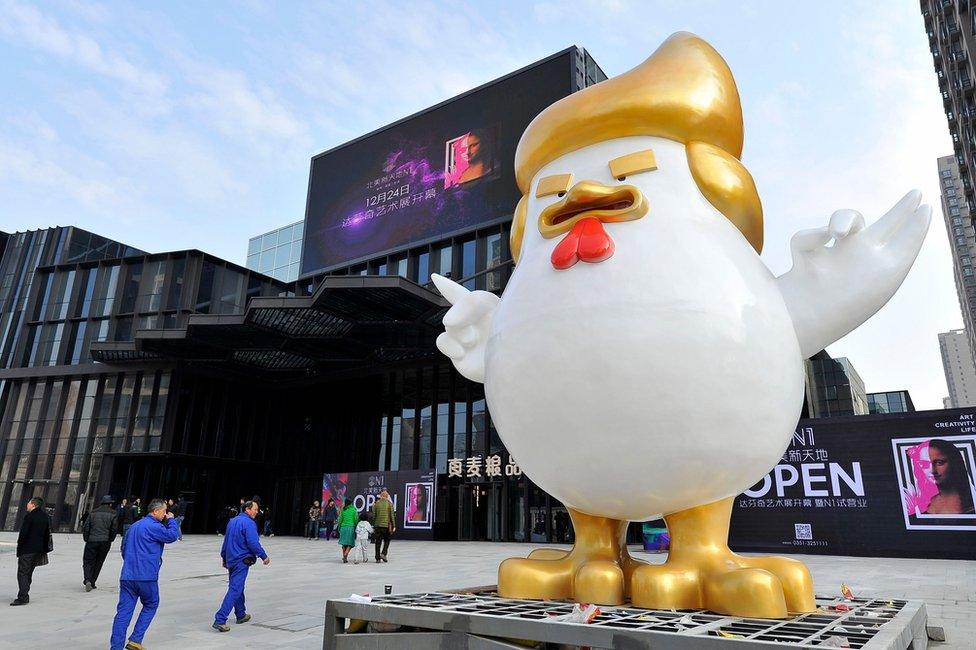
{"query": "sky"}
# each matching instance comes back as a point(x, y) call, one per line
point(191, 125)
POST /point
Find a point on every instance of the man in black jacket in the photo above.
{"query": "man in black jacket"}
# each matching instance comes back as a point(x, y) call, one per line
point(129, 515)
point(32, 547)
point(99, 531)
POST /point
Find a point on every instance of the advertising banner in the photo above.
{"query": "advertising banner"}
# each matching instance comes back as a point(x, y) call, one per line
point(413, 493)
point(886, 485)
point(441, 172)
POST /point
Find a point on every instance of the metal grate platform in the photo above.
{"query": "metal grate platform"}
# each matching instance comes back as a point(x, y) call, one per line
point(481, 619)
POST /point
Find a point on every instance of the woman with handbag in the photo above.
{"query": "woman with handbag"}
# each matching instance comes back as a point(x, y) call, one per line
point(33, 544)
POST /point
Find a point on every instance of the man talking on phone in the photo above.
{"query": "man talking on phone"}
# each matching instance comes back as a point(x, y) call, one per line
point(241, 549)
point(142, 555)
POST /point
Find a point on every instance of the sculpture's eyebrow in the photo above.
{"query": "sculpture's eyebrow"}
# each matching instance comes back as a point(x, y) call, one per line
point(553, 185)
point(633, 163)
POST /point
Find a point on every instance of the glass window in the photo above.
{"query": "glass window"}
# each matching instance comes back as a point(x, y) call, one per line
point(105, 295)
point(269, 241)
point(205, 293)
point(151, 287)
point(45, 281)
point(78, 342)
point(494, 248)
point(444, 260)
point(231, 291)
point(296, 253)
point(253, 245)
point(460, 449)
point(408, 428)
point(86, 293)
point(282, 256)
point(395, 444)
point(130, 289)
point(123, 329)
point(423, 268)
point(442, 432)
point(468, 262)
point(175, 291)
point(267, 264)
point(381, 464)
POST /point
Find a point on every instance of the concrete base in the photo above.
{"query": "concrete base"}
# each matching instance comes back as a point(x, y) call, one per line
point(479, 619)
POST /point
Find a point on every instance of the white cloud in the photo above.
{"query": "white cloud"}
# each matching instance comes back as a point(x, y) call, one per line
point(19, 165)
point(237, 106)
point(28, 25)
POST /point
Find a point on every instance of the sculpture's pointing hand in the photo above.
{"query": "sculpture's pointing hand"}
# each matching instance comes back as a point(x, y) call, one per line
point(466, 326)
point(833, 288)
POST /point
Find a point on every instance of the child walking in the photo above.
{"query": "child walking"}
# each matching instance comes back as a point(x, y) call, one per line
point(363, 530)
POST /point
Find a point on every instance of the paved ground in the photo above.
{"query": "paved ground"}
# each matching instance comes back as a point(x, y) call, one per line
point(287, 598)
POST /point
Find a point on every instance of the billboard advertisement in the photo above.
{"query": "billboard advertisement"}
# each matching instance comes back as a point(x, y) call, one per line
point(412, 492)
point(894, 485)
point(432, 175)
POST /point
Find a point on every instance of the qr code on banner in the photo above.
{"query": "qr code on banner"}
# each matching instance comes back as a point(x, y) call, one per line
point(803, 531)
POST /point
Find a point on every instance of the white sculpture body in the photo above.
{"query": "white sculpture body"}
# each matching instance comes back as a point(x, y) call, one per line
point(643, 361)
point(619, 386)
point(670, 374)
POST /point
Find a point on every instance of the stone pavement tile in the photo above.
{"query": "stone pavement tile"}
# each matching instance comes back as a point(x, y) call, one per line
point(287, 599)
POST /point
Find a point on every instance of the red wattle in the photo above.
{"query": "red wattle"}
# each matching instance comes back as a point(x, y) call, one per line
point(595, 244)
point(587, 241)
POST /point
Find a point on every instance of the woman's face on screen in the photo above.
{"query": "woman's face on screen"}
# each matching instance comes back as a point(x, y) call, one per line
point(940, 465)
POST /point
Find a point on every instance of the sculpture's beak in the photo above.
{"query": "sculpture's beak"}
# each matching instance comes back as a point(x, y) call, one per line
point(607, 203)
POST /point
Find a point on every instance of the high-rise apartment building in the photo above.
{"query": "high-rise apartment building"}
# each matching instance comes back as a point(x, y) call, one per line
point(952, 39)
point(962, 242)
point(960, 373)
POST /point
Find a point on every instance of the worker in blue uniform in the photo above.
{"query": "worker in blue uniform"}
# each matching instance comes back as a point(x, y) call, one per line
point(142, 555)
point(241, 549)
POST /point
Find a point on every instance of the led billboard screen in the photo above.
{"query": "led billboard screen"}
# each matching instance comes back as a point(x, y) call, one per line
point(438, 173)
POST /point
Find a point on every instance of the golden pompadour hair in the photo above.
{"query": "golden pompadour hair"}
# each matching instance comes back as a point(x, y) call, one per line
point(684, 92)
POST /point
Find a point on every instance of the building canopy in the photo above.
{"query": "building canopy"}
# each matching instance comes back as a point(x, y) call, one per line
point(350, 322)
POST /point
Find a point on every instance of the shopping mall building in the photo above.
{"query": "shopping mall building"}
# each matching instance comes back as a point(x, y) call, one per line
point(126, 372)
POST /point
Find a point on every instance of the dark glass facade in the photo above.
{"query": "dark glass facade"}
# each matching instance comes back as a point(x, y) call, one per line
point(898, 401)
point(182, 374)
point(833, 387)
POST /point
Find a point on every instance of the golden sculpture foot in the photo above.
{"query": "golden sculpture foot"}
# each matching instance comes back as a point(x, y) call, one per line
point(597, 569)
point(702, 573)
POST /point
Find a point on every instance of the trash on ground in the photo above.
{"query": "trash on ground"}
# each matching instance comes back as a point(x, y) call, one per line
point(582, 613)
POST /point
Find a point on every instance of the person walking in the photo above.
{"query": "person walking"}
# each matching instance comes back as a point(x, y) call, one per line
point(384, 525)
point(33, 544)
point(179, 513)
point(329, 515)
point(348, 519)
point(98, 531)
point(142, 556)
point(129, 514)
point(240, 550)
point(363, 530)
point(312, 525)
